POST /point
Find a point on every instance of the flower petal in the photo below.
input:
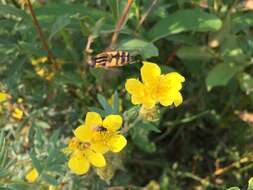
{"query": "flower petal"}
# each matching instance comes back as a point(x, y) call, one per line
point(150, 72)
point(83, 133)
point(17, 114)
point(3, 96)
point(177, 98)
point(99, 147)
point(113, 122)
point(96, 159)
point(174, 76)
point(148, 102)
point(136, 100)
point(134, 87)
point(117, 143)
point(32, 176)
point(166, 101)
point(78, 164)
point(93, 119)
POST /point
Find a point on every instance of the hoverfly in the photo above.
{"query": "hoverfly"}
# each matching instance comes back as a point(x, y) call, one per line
point(99, 128)
point(110, 59)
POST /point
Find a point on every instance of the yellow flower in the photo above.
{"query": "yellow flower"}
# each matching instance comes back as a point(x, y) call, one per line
point(3, 96)
point(103, 135)
point(52, 187)
point(20, 100)
point(155, 87)
point(40, 71)
point(44, 73)
point(81, 156)
point(32, 176)
point(17, 114)
point(38, 60)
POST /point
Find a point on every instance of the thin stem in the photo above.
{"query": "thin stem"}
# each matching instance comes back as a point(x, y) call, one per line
point(145, 15)
point(233, 165)
point(127, 128)
point(88, 51)
point(120, 24)
point(40, 33)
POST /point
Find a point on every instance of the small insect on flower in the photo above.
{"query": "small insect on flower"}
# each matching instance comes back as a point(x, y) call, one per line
point(110, 59)
point(100, 129)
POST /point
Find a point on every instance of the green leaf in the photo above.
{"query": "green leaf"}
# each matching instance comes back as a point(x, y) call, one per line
point(185, 20)
point(60, 23)
point(50, 11)
point(70, 78)
point(49, 179)
point(5, 188)
point(19, 186)
point(98, 110)
point(221, 74)
point(194, 53)
point(35, 162)
point(140, 138)
point(97, 27)
point(103, 102)
point(4, 173)
point(250, 186)
point(55, 136)
point(242, 21)
point(3, 151)
point(114, 7)
point(233, 188)
point(131, 113)
point(116, 102)
point(42, 124)
point(149, 127)
point(7, 9)
point(246, 83)
point(144, 48)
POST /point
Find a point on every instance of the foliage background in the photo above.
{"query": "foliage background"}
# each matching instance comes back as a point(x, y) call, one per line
point(206, 143)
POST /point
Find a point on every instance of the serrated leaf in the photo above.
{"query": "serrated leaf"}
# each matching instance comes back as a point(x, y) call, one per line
point(221, 74)
point(144, 48)
point(185, 20)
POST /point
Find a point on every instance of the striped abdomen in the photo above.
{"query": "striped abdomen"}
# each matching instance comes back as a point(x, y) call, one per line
point(111, 59)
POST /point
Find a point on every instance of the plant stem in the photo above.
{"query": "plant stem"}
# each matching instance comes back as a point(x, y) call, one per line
point(50, 55)
point(120, 24)
point(145, 15)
